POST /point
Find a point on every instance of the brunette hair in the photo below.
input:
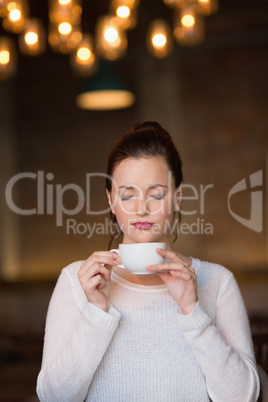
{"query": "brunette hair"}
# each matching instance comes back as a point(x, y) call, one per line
point(148, 139)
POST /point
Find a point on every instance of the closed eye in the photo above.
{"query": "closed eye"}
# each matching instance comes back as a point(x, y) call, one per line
point(126, 197)
point(158, 197)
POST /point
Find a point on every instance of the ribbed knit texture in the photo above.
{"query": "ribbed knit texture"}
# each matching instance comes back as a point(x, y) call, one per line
point(144, 348)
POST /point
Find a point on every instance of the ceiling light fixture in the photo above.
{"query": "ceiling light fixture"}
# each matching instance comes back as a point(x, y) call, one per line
point(110, 43)
point(105, 91)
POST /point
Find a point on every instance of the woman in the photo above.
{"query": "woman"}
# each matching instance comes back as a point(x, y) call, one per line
point(179, 334)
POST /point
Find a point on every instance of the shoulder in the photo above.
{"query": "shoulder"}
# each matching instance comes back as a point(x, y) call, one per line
point(68, 285)
point(69, 274)
point(72, 268)
point(203, 267)
point(210, 273)
point(216, 285)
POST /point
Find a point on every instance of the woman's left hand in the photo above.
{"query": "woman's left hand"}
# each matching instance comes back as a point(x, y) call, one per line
point(179, 278)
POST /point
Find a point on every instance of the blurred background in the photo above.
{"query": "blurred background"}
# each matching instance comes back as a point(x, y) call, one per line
point(199, 68)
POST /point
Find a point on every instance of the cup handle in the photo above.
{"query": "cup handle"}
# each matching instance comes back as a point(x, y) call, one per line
point(114, 250)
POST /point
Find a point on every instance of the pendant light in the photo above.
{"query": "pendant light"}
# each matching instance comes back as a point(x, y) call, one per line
point(105, 91)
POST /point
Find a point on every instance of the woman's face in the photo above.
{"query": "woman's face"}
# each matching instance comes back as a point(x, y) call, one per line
point(144, 199)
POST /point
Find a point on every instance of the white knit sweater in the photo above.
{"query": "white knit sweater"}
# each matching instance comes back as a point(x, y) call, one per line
point(144, 349)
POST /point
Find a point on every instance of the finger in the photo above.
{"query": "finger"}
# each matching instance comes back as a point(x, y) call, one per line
point(189, 278)
point(102, 283)
point(171, 255)
point(192, 270)
point(184, 275)
point(117, 259)
point(164, 276)
point(92, 285)
point(105, 273)
point(100, 256)
point(166, 267)
point(105, 257)
point(94, 270)
point(88, 271)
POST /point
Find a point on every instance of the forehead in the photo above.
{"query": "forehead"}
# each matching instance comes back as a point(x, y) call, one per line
point(143, 171)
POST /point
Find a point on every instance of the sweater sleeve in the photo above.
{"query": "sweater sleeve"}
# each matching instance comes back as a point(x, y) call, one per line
point(224, 349)
point(76, 337)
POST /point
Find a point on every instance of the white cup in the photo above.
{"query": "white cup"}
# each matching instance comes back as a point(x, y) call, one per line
point(137, 256)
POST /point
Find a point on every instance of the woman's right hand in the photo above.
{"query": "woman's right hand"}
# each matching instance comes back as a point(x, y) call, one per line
point(94, 276)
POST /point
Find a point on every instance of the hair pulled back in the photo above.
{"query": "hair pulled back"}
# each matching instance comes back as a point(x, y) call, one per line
point(148, 139)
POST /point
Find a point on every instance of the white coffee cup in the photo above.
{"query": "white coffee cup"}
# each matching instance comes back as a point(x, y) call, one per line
point(137, 256)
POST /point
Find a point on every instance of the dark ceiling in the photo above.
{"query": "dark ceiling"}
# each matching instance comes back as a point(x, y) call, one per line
point(235, 21)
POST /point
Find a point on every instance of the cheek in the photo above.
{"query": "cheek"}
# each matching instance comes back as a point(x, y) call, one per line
point(155, 206)
point(125, 208)
point(120, 207)
point(162, 207)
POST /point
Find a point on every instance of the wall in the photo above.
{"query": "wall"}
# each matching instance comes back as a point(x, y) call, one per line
point(212, 98)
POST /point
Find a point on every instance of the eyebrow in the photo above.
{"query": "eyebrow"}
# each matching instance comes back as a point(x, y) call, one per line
point(125, 187)
point(148, 187)
point(157, 185)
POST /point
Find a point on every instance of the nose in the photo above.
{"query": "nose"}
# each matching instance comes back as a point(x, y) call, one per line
point(142, 208)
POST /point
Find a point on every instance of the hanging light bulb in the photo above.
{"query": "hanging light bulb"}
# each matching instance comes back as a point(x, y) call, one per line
point(207, 7)
point(64, 37)
point(83, 59)
point(8, 58)
point(131, 4)
point(65, 10)
point(3, 8)
point(188, 17)
point(32, 40)
point(159, 39)
point(110, 38)
point(189, 28)
point(64, 28)
point(15, 19)
point(125, 13)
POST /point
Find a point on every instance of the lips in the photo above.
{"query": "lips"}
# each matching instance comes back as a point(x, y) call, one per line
point(143, 225)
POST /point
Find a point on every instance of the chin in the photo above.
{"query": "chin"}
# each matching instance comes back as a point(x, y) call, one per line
point(149, 239)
